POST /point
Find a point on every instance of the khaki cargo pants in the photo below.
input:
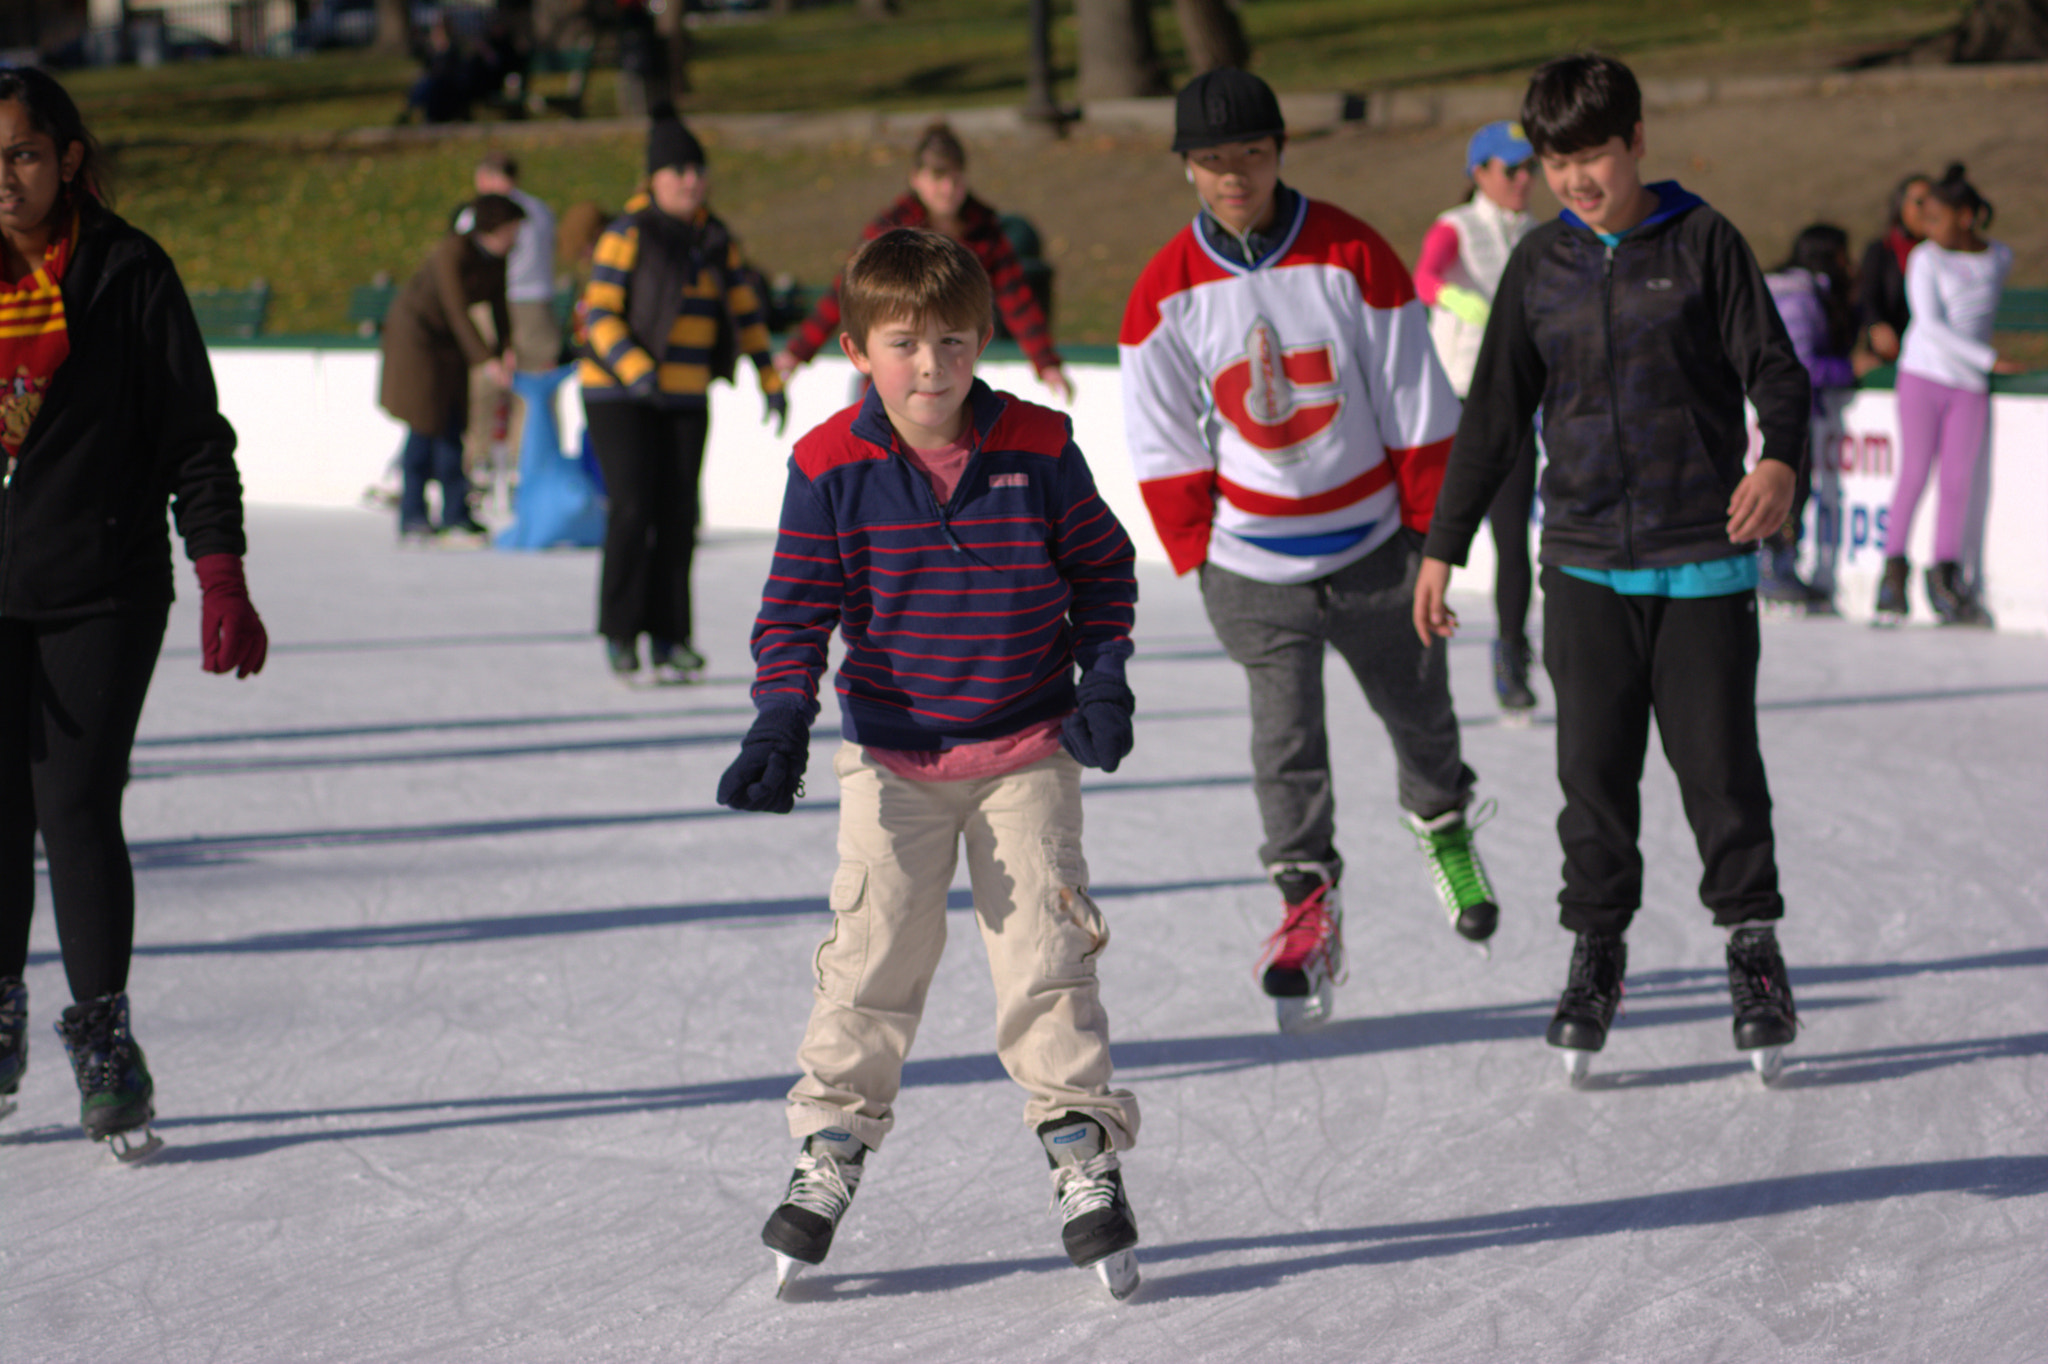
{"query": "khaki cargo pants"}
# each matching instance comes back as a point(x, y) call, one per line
point(899, 843)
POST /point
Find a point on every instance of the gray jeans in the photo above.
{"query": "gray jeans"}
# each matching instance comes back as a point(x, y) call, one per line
point(1276, 633)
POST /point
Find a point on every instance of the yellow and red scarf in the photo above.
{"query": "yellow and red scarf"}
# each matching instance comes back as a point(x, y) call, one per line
point(34, 339)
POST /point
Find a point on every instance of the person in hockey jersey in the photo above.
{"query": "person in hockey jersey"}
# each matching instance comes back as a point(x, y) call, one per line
point(1289, 419)
point(954, 537)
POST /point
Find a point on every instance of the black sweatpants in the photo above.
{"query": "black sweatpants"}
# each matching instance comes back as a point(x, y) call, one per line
point(71, 694)
point(1614, 662)
point(653, 460)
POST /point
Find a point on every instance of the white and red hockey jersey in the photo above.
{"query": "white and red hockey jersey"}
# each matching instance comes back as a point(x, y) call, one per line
point(1284, 419)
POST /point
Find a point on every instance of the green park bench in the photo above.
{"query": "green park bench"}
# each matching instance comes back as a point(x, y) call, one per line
point(367, 304)
point(2022, 310)
point(573, 65)
point(232, 314)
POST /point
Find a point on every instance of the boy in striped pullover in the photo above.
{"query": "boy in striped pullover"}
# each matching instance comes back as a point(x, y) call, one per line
point(954, 536)
point(1288, 420)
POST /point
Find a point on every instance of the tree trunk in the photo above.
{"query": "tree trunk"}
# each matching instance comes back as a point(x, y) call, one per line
point(676, 36)
point(1213, 35)
point(394, 28)
point(878, 9)
point(1119, 58)
point(2003, 31)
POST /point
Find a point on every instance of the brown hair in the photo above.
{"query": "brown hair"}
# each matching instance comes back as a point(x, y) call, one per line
point(577, 230)
point(938, 148)
point(493, 211)
point(915, 274)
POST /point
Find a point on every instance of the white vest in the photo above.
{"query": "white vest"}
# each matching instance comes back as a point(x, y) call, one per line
point(1487, 234)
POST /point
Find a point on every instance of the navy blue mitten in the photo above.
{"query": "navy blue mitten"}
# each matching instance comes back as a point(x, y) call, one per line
point(1098, 733)
point(769, 772)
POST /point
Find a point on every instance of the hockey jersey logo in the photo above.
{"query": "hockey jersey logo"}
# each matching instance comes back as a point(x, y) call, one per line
point(1259, 394)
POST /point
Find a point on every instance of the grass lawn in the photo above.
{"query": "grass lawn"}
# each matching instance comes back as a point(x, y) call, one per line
point(230, 164)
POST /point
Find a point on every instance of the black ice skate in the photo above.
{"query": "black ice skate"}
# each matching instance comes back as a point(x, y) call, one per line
point(1765, 1020)
point(1591, 995)
point(1953, 599)
point(1511, 683)
point(1304, 958)
point(799, 1231)
point(13, 1041)
point(1096, 1224)
point(114, 1088)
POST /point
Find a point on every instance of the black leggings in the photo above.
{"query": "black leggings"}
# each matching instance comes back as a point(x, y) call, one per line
point(71, 694)
point(652, 460)
point(1513, 582)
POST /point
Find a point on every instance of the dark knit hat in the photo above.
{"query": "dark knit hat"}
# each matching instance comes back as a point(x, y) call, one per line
point(669, 143)
point(1225, 105)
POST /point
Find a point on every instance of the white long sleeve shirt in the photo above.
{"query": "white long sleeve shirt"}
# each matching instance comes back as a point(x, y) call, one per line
point(1954, 298)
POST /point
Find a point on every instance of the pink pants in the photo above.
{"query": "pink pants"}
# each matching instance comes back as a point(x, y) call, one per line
point(1937, 424)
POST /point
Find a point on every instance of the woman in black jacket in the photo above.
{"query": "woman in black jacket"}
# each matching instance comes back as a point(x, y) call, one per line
point(107, 413)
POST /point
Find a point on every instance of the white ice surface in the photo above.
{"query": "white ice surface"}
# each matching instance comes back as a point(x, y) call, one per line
point(470, 1013)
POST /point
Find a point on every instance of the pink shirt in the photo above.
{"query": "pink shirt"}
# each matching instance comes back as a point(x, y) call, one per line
point(989, 757)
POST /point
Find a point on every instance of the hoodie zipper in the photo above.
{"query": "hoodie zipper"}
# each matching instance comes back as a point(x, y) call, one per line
point(1614, 408)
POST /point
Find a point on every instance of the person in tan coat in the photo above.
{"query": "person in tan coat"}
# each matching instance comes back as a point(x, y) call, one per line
point(429, 347)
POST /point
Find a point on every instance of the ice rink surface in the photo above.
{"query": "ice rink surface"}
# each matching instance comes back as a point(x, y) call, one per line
point(471, 1012)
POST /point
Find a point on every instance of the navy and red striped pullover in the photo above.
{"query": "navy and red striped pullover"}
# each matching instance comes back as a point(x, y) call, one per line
point(964, 622)
point(981, 231)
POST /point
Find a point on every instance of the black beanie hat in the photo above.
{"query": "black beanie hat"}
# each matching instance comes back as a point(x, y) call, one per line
point(669, 143)
point(1225, 105)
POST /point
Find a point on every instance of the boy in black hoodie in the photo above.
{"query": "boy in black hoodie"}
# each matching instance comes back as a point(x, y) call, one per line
point(1637, 321)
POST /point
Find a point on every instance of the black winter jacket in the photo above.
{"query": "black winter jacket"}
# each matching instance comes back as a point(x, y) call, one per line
point(131, 422)
point(1639, 356)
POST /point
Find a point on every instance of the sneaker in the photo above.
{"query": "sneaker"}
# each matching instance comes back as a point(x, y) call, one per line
point(1455, 871)
point(674, 663)
point(624, 656)
point(827, 1173)
point(1891, 594)
point(1087, 1190)
point(1511, 676)
point(1760, 990)
point(114, 1088)
point(1592, 993)
point(1304, 958)
point(13, 1034)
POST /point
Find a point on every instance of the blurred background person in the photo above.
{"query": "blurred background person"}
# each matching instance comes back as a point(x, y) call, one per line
point(938, 198)
point(429, 346)
point(1881, 304)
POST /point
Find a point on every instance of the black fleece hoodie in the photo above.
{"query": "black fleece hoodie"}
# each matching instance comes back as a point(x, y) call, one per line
point(131, 423)
point(1639, 355)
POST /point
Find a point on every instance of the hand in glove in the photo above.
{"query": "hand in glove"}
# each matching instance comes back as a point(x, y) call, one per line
point(1098, 733)
point(778, 411)
point(231, 634)
point(768, 775)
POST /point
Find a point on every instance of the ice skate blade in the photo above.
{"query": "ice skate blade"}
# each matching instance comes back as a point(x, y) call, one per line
point(1305, 1013)
point(127, 1150)
point(1119, 1274)
point(7, 1107)
point(1578, 1065)
point(786, 1271)
point(1518, 719)
point(1769, 1063)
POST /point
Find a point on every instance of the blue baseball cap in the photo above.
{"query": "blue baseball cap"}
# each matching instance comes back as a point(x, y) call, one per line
point(1503, 140)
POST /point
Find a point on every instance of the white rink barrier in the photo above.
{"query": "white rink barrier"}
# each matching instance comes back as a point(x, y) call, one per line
point(313, 435)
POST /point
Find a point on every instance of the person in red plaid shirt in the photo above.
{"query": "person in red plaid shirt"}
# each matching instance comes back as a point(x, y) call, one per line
point(938, 199)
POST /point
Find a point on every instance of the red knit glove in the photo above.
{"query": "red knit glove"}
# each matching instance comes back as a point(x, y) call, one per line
point(231, 634)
